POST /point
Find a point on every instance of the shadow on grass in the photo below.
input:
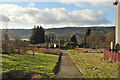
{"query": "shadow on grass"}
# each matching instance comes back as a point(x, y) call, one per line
point(17, 75)
point(58, 66)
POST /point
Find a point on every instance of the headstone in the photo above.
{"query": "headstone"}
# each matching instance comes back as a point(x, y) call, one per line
point(55, 46)
point(118, 48)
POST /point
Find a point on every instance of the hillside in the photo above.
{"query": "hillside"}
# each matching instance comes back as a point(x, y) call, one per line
point(78, 31)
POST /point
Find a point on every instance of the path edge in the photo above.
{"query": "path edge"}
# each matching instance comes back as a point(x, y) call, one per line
point(55, 70)
point(76, 65)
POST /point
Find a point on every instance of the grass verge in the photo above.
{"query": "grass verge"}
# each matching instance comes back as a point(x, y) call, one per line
point(39, 66)
point(94, 66)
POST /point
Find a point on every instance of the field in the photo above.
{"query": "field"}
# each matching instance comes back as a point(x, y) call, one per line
point(94, 66)
point(38, 66)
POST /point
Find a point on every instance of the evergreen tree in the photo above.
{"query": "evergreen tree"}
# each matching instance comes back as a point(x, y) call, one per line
point(72, 43)
point(87, 34)
point(38, 35)
point(73, 39)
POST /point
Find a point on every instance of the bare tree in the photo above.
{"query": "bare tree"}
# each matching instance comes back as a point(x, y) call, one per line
point(96, 40)
point(50, 37)
point(19, 45)
point(5, 41)
point(110, 37)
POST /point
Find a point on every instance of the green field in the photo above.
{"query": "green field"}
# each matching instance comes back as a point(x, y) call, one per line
point(39, 66)
point(94, 66)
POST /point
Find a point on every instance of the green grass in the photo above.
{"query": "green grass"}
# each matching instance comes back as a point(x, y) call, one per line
point(39, 63)
point(94, 66)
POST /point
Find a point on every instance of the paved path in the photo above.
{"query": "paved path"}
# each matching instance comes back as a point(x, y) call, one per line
point(67, 68)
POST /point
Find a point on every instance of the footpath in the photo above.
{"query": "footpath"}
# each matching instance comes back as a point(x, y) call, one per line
point(67, 68)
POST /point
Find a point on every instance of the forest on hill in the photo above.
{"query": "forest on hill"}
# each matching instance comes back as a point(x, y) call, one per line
point(67, 31)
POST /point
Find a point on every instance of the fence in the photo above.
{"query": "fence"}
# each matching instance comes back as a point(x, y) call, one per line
point(111, 56)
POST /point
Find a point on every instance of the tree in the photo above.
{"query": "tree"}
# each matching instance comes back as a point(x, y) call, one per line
point(14, 46)
point(5, 43)
point(38, 35)
point(6, 37)
point(87, 34)
point(91, 40)
point(5, 34)
point(19, 45)
point(110, 37)
point(73, 39)
point(70, 45)
point(50, 37)
point(64, 37)
point(33, 49)
point(95, 40)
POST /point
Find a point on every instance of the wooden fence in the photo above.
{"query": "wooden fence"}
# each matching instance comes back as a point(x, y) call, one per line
point(111, 56)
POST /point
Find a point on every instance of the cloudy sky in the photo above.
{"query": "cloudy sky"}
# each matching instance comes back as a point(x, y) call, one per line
point(56, 14)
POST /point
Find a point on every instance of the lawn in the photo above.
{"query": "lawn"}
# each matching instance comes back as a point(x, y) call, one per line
point(40, 65)
point(94, 66)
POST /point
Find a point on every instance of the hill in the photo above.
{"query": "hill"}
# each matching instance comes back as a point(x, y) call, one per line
point(78, 31)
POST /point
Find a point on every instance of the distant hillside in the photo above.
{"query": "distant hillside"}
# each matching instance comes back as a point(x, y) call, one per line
point(78, 31)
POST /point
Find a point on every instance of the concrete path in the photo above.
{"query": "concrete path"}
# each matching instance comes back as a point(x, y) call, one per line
point(67, 68)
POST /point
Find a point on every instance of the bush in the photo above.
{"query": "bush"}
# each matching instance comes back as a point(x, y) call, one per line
point(48, 51)
point(70, 45)
point(7, 47)
point(14, 46)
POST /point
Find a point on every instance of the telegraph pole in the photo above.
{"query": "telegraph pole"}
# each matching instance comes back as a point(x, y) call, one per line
point(117, 3)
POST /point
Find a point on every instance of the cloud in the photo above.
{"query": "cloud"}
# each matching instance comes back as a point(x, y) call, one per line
point(79, 4)
point(56, 0)
point(102, 3)
point(4, 18)
point(89, 4)
point(83, 0)
point(19, 14)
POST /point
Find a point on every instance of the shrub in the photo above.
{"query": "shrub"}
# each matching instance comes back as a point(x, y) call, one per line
point(14, 46)
point(69, 45)
point(7, 47)
point(48, 51)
